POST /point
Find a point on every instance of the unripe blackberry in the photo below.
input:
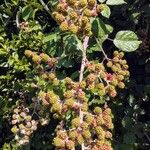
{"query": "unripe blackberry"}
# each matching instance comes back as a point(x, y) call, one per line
point(109, 64)
point(100, 86)
point(121, 85)
point(127, 73)
point(69, 102)
point(123, 62)
point(89, 119)
point(116, 53)
point(68, 80)
point(50, 94)
point(108, 135)
point(68, 94)
point(55, 82)
point(100, 8)
point(73, 28)
point(73, 15)
point(99, 121)
point(70, 145)
point(107, 111)
point(73, 134)
point(114, 68)
point(112, 93)
point(99, 130)
point(99, 67)
point(86, 134)
point(75, 122)
point(120, 77)
point(87, 27)
point(85, 20)
point(121, 54)
point(51, 76)
point(84, 107)
point(82, 84)
point(80, 139)
point(42, 95)
point(123, 72)
point(59, 142)
point(53, 99)
point(84, 125)
point(115, 59)
point(126, 67)
point(56, 107)
point(97, 110)
point(28, 53)
point(61, 7)
point(36, 59)
point(44, 57)
point(114, 82)
point(102, 92)
point(64, 26)
point(59, 18)
point(87, 12)
point(103, 74)
point(91, 78)
point(82, 3)
point(71, 2)
point(91, 2)
point(14, 129)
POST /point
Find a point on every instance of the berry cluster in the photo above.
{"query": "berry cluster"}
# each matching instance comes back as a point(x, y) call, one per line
point(104, 79)
point(94, 131)
point(37, 59)
point(23, 125)
point(74, 15)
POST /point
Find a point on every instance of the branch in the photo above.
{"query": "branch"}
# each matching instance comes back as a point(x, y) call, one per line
point(83, 63)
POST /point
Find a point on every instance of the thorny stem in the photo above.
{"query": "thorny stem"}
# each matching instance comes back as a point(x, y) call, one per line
point(101, 48)
point(45, 6)
point(83, 63)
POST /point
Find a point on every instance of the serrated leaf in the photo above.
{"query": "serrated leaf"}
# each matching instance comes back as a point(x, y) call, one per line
point(106, 11)
point(127, 41)
point(115, 2)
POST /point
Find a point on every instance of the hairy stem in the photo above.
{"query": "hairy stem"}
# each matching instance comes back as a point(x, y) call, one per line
point(83, 63)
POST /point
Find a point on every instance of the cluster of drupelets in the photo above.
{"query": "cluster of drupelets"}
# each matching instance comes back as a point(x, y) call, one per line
point(23, 125)
point(74, 15)
point(89, 128)
point(94, 131)
point(93, 128)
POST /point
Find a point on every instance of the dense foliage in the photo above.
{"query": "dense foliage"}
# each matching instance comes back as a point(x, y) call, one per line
point(74, 74)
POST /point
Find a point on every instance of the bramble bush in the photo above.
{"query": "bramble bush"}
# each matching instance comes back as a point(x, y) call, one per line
point(74, 75)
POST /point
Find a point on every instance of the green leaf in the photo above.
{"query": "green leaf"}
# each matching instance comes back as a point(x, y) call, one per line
point(27, 11)
point(115, 2)
point(50, 37)
point(127, 41)
point(129, 138)
point(106, 11)
point(101, 30)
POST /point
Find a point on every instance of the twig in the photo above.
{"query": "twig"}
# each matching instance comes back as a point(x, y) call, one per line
point(17, 19)
point(45, 6)
point(147, 136)
point(101, 48)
